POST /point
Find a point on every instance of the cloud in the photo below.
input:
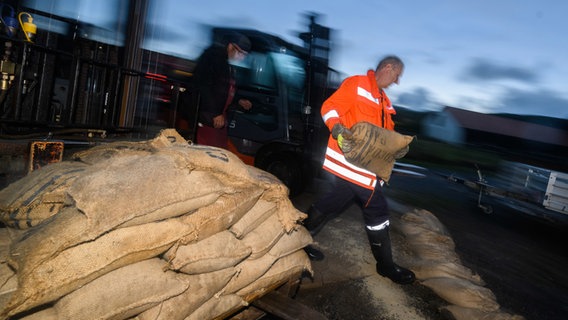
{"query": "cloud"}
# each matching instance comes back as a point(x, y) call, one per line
point(420, 98)
point(485, 70)
point(542, 102)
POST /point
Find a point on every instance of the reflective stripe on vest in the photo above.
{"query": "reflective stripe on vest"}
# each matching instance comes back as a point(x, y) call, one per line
point(336, 163)
point(329, 115)
point(367, 95)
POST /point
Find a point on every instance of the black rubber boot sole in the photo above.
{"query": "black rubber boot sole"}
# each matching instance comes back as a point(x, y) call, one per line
point(398, 275)
point(314, 254)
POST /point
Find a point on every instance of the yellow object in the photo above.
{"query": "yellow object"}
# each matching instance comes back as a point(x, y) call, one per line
point(28, 27)
point(340, 141)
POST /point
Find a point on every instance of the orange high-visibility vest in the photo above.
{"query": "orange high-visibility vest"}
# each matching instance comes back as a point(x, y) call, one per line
point(357, 99)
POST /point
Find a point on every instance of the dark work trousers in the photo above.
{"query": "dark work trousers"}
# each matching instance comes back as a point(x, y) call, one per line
point(372, 202)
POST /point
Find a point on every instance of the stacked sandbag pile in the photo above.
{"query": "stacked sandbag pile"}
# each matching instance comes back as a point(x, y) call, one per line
point(438, 267)
point(157, 229)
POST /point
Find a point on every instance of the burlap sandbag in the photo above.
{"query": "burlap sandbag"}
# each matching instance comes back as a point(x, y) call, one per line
point(291, 242)
point(78, 265)
point(251, 269)
point(217, 252)
point(8, 284)
point(111, 150)
point(281, 271)
point(264, 237)
point(463, 293)
point(374, 148)
point(224, 164)
point(225, 212)
point(419, 234)
point(39, 195)
point(430, 252)
point(426, 235)
point(422, 220)
point(7, 237)
point(123, 293)
point(429, 246)
point(252, 219)
point(7, 274)
point(428, 269)
point(43, 314)
point(461, 313)
point(42, 242)
point(218, 307)
point(97, 194)
point(232, 171)
point(288, 215)
point(165, 138)
point(248, 271)
point(268, 232)
point(8, 278)
point(202, 287)
point(72, 305)
point(161, 184)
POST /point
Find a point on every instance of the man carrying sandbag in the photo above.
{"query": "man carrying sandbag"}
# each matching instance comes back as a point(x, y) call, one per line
point(361, 152)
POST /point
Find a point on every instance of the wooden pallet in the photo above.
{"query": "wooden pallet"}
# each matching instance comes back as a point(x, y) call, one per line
point(277, 301)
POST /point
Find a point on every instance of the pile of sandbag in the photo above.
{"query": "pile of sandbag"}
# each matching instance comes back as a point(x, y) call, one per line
point(156, 229)
point(438, 267)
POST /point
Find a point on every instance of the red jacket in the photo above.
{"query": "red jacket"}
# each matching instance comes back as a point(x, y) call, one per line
point(357, 99)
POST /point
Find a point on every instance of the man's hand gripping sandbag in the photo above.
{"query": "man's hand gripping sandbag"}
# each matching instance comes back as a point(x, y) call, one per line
point(343, 137)
point(371, 147)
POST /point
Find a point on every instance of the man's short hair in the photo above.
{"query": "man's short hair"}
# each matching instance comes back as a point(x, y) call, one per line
point(394, 60)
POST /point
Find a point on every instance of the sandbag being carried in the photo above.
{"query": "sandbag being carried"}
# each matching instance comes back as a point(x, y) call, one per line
point(376, 149)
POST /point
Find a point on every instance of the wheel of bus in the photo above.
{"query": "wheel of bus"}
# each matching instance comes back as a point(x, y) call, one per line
point(288, 169)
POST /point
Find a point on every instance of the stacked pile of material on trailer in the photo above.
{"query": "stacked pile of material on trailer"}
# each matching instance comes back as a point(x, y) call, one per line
point(157, 229)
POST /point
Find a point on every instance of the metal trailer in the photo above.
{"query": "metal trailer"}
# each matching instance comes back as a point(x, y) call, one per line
point(528, 189)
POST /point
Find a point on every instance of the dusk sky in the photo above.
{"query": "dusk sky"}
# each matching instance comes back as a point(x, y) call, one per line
point(488, 56)
point(485, 55)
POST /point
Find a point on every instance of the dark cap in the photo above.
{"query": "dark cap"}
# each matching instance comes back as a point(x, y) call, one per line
point(240, 40)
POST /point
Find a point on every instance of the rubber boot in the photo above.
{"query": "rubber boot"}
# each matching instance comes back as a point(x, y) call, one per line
point(313, 253)
point(381, 248)
point(314, 222)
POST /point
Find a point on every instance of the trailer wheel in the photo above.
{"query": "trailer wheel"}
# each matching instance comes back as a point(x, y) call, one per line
point(288, 169)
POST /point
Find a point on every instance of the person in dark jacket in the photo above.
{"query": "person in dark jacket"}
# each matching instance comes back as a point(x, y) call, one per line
point(215, 83)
